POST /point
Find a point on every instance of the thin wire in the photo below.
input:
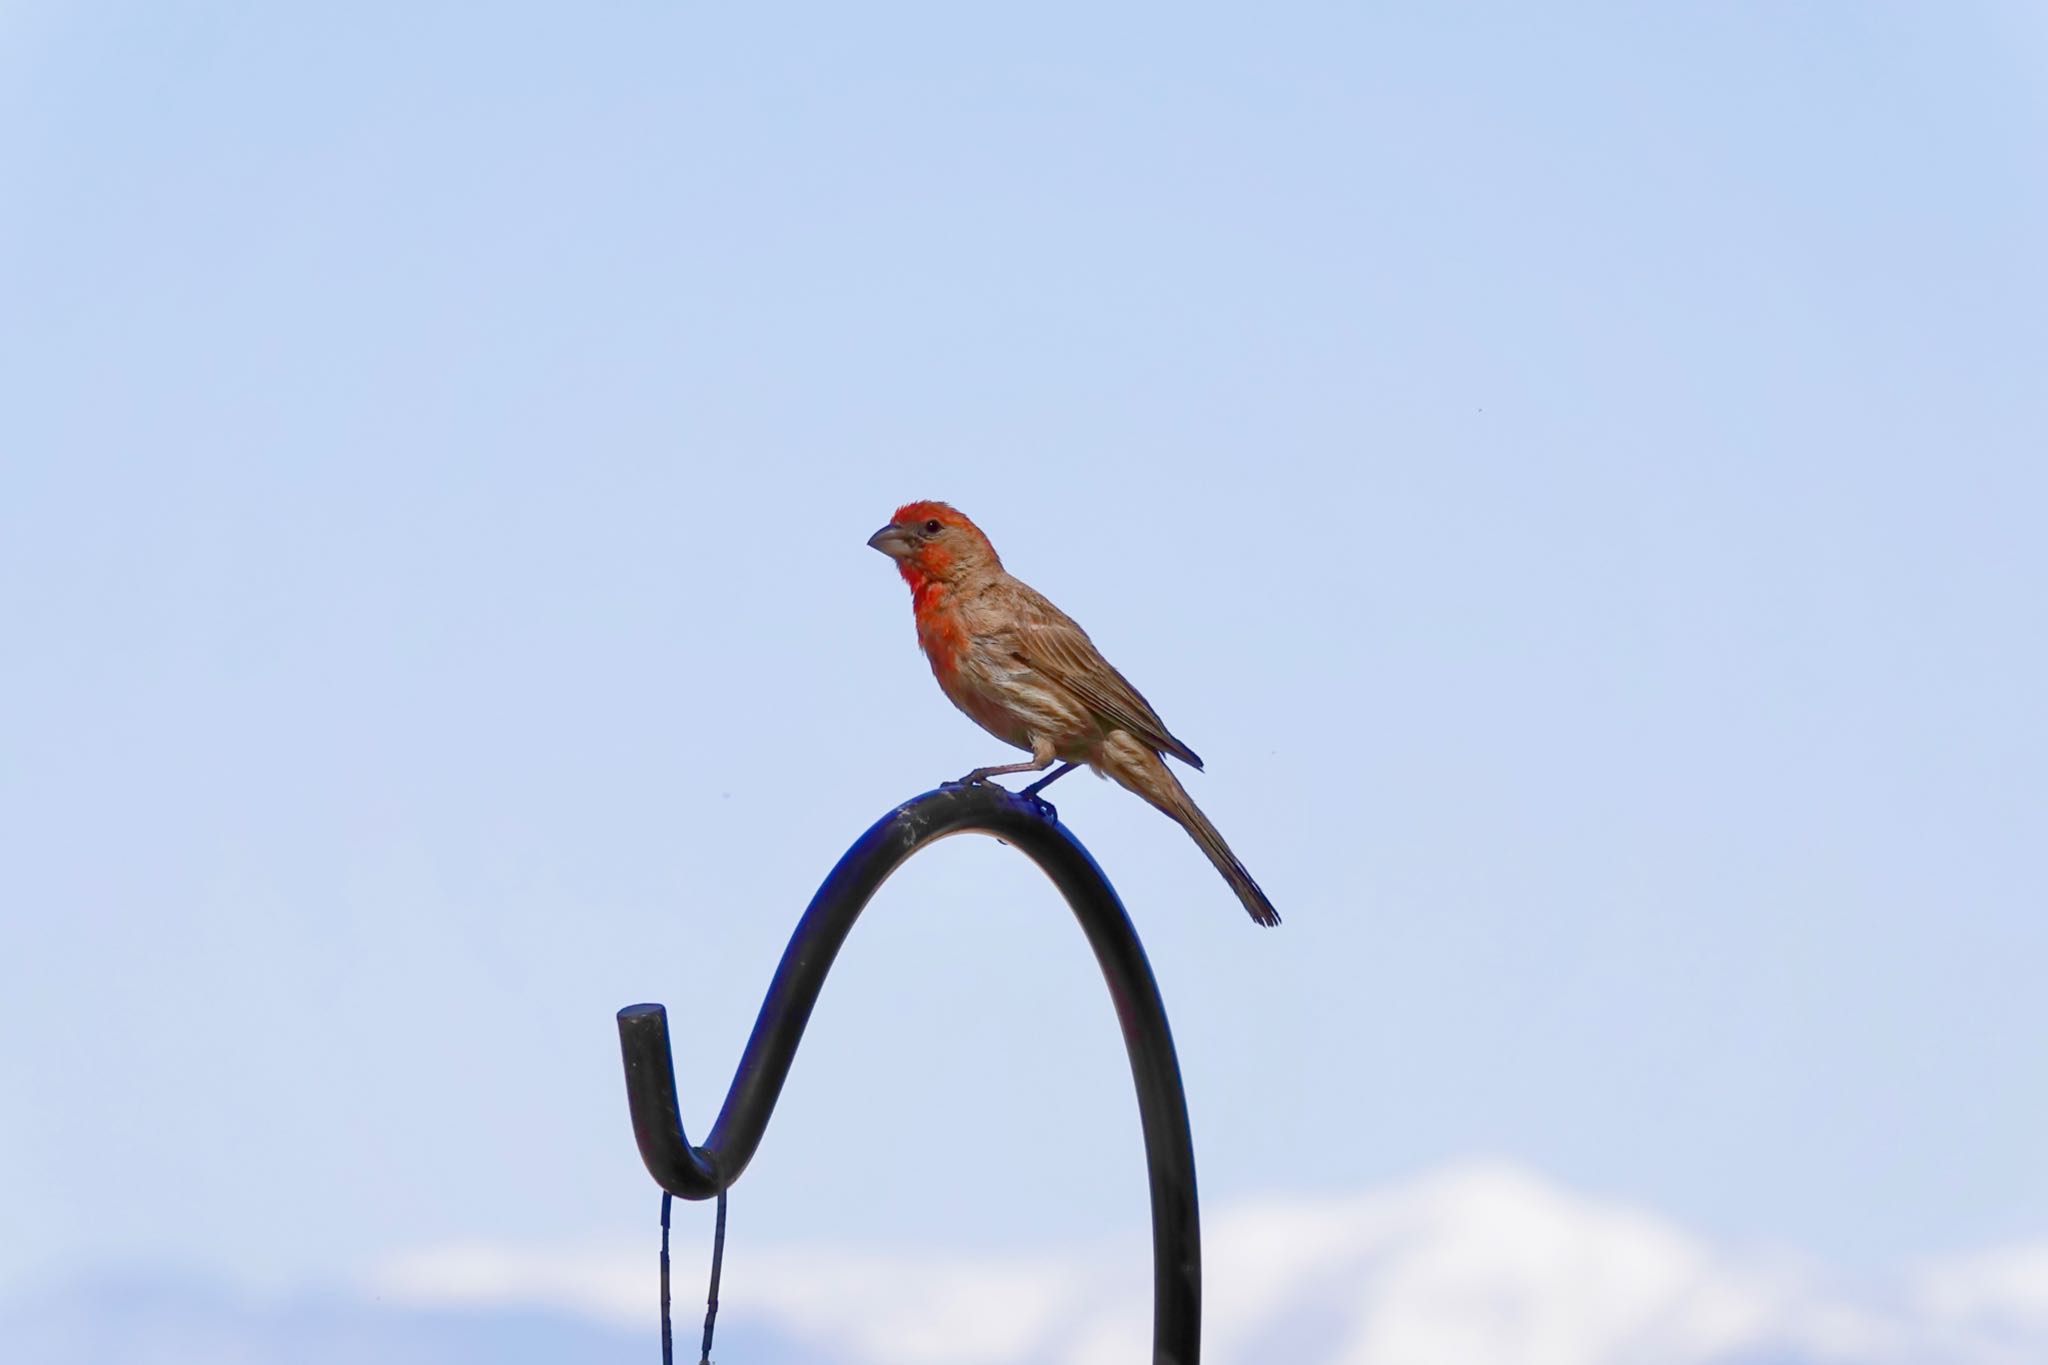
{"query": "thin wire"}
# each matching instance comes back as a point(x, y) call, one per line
point(717, 1260)
point(668, 1345)
point(668, 1342)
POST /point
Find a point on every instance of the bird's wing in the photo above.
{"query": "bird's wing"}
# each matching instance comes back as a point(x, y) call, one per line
point(1047, 640)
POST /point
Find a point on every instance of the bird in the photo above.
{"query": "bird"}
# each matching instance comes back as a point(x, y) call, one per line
point(1026, 673)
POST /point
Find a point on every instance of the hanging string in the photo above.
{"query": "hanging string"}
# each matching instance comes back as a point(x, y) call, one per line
point(668, 1344)
point(717, 1259)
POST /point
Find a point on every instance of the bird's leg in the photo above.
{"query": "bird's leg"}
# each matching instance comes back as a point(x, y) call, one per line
point(984, 774)
point(1041, 759)
point(1042, 783)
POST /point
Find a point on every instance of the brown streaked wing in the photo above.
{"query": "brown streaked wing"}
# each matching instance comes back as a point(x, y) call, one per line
point(1049, 641)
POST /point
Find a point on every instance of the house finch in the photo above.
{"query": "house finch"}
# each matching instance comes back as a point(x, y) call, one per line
point(1024, 672)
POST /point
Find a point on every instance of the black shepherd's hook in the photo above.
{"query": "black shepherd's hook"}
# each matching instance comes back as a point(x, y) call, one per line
point(701, 1172)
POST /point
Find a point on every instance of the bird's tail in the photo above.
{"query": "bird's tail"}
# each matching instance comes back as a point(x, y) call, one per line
point(1138, 769)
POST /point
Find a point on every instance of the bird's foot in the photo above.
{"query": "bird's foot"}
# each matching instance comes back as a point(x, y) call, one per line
point(1042, 783)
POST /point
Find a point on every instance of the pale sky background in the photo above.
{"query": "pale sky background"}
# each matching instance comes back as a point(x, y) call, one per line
point(1575, 471)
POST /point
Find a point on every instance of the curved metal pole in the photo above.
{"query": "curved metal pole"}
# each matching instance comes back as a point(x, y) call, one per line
point(1033, 826)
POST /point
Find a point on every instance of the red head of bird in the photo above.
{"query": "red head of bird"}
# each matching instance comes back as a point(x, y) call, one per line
point(935, 545)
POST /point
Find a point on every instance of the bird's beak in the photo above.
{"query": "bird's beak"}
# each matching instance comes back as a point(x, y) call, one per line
point(892, 540)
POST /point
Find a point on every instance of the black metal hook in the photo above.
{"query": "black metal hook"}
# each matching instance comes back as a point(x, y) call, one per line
point(1033, 827)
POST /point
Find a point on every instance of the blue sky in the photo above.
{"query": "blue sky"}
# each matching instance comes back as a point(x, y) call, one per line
point(1576, 473)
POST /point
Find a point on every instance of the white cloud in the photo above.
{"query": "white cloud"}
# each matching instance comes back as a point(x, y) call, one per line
point(1483, 1263)
point(1479, 1263)
point(1998, 1296)
point(604, 1283)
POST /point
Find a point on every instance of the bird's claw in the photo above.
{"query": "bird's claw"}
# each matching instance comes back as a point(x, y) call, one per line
point(978, 778)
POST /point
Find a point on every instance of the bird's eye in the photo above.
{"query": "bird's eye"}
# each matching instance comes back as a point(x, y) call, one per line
point(931, 528)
